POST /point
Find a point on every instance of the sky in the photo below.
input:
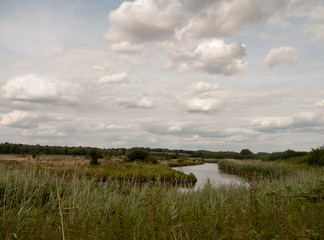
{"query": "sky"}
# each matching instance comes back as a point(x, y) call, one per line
point(218, 75)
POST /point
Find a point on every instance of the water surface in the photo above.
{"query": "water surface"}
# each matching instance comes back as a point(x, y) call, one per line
point(212, 172)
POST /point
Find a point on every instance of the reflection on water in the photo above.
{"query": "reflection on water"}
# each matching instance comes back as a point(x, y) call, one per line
point(212, 172)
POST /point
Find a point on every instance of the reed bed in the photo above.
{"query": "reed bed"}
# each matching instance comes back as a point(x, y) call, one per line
point(250, 168)
point(35, 204)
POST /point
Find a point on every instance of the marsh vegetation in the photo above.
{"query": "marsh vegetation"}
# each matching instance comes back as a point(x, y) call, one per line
point(48, 197)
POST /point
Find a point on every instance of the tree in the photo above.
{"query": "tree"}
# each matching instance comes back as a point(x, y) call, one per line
point(246, 152)
point(95, 155)
point(137, 154)
point(316, 156)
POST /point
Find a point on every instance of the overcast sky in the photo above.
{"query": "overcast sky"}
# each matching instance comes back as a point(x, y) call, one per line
point(192, 74)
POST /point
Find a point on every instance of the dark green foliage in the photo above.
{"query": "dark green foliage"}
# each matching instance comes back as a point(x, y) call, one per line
point(95, 155)
point(137, 154)
point(316, 156)
point(262, 156)
point(246, 152)
point(286, 154)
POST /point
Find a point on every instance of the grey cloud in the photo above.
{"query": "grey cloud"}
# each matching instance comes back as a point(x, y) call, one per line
point(144, 103)
point(299, 122)
point(279, 22)
point(313, 11)
point(316, 31)
point(195, 6)
point(22, 119)
point(224, 18)
point(278, 56)
point(126, 47)
point(201, 129)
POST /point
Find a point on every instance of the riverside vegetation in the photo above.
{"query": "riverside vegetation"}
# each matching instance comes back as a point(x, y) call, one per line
point(66, 198)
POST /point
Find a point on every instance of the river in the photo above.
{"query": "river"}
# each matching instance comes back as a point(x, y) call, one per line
point(212, 172)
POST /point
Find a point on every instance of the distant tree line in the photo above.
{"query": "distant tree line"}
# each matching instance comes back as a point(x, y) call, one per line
point(13, 148)
point(316, 156)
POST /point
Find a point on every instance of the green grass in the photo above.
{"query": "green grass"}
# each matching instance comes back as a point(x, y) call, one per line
point(261, 169)
point(139, 173)
point(115, 209)
point(184, 163)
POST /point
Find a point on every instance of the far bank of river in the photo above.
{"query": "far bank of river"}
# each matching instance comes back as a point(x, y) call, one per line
point(212, 172)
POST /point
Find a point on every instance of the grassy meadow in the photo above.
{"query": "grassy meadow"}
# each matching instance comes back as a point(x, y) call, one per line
point(53, 197)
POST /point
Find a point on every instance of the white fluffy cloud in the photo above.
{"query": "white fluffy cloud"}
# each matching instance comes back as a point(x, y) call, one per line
point(36, 89)
point(143, 20)
point(114, 78)
point(278, 56)
point(20, 119)
point(213, 57)
point(201, 97)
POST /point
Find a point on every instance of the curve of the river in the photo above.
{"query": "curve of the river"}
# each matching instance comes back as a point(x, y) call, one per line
point(212, 172)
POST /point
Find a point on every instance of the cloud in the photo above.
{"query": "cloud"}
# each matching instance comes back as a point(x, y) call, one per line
point(279, 56)
point(201, 97)
point(118, 126)
point(145, 103)
point(297, 122)
point(317, 14)
point(313, 12)
point(211, 56)
point(316, 30)
point(20, 119)
point(143, 21)
point(316, 25)
point(33, 88)
point(114, 78)
point(126, 47)
point(223, 18)
point(279, 22)
point(174, 128)
point(99, 68)
point(319, 103)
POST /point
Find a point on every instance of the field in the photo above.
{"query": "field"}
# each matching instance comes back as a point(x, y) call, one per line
point(55, 197)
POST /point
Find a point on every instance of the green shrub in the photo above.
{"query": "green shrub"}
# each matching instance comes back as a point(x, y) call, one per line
point(95, 155)
point(316, 157)
point(246, 152)
point(139, 154)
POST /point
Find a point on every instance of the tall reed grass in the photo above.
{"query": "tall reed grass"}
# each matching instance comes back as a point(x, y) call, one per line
point(121, 210)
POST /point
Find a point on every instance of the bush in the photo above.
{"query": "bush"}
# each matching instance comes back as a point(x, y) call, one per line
point(137, 154)
point(95, 155)
point(316, 156)
point(246, 152)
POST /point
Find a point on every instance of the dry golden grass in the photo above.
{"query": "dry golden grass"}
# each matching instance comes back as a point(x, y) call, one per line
point(55, 160)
